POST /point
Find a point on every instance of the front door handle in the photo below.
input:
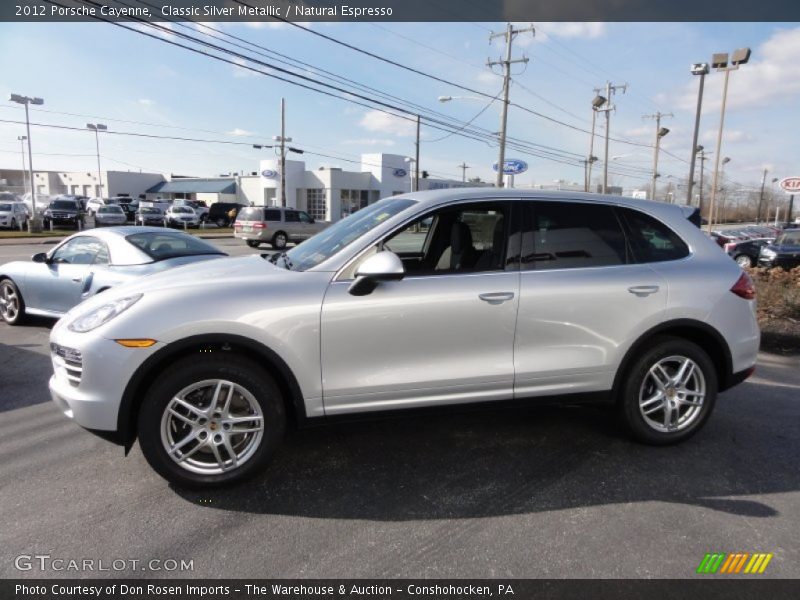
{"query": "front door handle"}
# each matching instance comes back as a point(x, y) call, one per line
point(643, 290)
point(77, 279)
point(496, 297)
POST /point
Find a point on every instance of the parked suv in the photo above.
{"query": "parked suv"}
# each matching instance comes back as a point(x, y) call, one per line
point(200, 208)
point(64, 212)
point(220, 213)
point(420, 300)
point(277, 226)
point(13, 215)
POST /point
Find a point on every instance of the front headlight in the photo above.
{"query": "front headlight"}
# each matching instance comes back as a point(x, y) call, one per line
point(102, 314)
point(767, 253)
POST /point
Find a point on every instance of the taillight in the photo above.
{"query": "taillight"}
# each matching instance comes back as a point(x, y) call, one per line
point(729, 246)
point(237, 225)
point(260, 225)
point(744, 287)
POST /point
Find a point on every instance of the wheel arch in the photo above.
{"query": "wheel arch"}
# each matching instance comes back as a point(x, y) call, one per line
point(151, 368)
point(702, 334)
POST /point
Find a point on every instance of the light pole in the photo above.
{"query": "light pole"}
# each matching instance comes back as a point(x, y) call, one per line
point(610, 90)
point(700, 69)
point(720, 216)
point(97, 128)
point(660, 133)
point(597, 102)
point(414, 180)
point(761, 196)
point(720, 63)
point(34, 224)
point(283, 139)
point(21, 139)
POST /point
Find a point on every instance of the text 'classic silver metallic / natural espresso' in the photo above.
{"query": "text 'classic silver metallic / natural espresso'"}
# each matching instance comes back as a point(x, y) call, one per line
point(421, 300)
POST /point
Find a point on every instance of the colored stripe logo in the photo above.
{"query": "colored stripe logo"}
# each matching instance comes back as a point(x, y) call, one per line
point(735, 562)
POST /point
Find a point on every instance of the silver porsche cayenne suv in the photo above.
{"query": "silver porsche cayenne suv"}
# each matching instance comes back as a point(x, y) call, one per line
point(420, 300)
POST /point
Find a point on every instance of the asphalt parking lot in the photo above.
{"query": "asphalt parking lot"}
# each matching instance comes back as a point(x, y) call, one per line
point(522, 492)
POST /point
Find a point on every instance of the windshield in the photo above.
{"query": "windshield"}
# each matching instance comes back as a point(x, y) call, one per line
point(331, 240)
point(63, 205)
point(109, 209)
point(5, 207)
point(149, 211)
point(790, 238)
point(160, 246)
point(182, 209)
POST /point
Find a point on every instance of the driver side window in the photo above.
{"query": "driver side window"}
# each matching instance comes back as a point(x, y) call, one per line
point(464, 238)
point(82, 250)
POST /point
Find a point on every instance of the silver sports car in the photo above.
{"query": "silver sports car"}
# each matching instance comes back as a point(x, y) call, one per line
point(90, 262)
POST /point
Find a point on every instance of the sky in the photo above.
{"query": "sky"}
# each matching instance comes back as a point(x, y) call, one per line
point(97, 72)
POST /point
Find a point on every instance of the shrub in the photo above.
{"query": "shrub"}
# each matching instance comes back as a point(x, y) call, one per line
point(778, 293)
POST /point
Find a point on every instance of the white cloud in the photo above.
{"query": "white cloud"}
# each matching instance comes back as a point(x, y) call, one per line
point(375, 120)
point(488, 77)
point(369, 142)
point(146, 102)
point(571, 30)
point(728, 136)
point(771, 76)
point(240, 132)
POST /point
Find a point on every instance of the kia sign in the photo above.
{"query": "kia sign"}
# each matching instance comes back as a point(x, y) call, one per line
point(400, 173)
point(790, 185)
point(269, 174)
point(512, 166)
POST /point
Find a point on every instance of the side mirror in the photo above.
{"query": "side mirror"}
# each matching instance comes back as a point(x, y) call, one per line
point(39, 257)
point(383, 266)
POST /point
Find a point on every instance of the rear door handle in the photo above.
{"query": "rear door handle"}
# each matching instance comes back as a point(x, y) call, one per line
point(77, 279)
point(496, 297)
point(643, 290)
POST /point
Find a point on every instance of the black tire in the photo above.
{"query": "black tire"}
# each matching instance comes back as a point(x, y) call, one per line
point(279, 240)
point(193, 369)
point(637, 381)
point(252, 243)
point(18, 316)
point(741, 258)
point(221, 222)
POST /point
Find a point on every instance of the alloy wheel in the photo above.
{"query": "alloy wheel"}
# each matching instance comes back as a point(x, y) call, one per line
point(744, 261)
point(9, 301)
point(212, 427)
point(672, 393)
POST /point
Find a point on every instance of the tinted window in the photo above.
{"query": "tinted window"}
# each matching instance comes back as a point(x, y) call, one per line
point(272, 215)
point(79, 251)
point(650, 239)
point(571, 235)
point(159, 245)
point(63, 205)
point(250, 214)
point(292, 216)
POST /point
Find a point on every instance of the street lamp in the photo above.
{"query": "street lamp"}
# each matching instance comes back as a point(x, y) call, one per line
point(34, 223)
point(97, 127)
point(700, 69)
point(719, 217)
point(414, 182)
point(720, 63)
point(21, 139)
point(660, 133)
point(597, 102)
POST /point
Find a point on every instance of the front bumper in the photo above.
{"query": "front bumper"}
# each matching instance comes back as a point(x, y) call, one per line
point(91, 394)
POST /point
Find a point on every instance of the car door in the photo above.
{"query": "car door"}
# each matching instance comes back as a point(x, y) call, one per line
point(443, 334)
point(61, 284)
point(306, 225)
point(292, 225)
point(582, 298)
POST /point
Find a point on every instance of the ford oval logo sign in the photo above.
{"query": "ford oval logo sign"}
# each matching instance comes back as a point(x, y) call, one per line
point(790, 185)
point(400, 173)
point(512, 166)
point(269, 174)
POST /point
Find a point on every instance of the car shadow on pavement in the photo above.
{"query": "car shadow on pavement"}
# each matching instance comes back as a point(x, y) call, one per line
point(521, 460)
point(19, 367)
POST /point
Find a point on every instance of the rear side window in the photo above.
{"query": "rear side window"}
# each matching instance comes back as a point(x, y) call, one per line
point(572, 235)
point(250, 214)
point(272, 215)
point(650, 239)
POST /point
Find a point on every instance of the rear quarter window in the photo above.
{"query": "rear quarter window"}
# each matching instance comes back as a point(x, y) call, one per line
point(272, 215)
point(650, 239)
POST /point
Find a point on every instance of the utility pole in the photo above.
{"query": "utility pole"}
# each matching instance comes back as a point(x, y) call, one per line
point(591, 159)
point(416, 159)
point(660, 132)
point(611, 89)
point(283, 139)
point(761, 197)
point(508, 34)
point(701, 70)
point(701, 156)
point(22, 139)
point(463, 166)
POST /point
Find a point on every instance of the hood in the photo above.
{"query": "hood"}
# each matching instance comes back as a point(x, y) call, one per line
point(219, 271)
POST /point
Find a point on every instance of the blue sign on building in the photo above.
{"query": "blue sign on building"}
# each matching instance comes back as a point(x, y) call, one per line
point(512, 166)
